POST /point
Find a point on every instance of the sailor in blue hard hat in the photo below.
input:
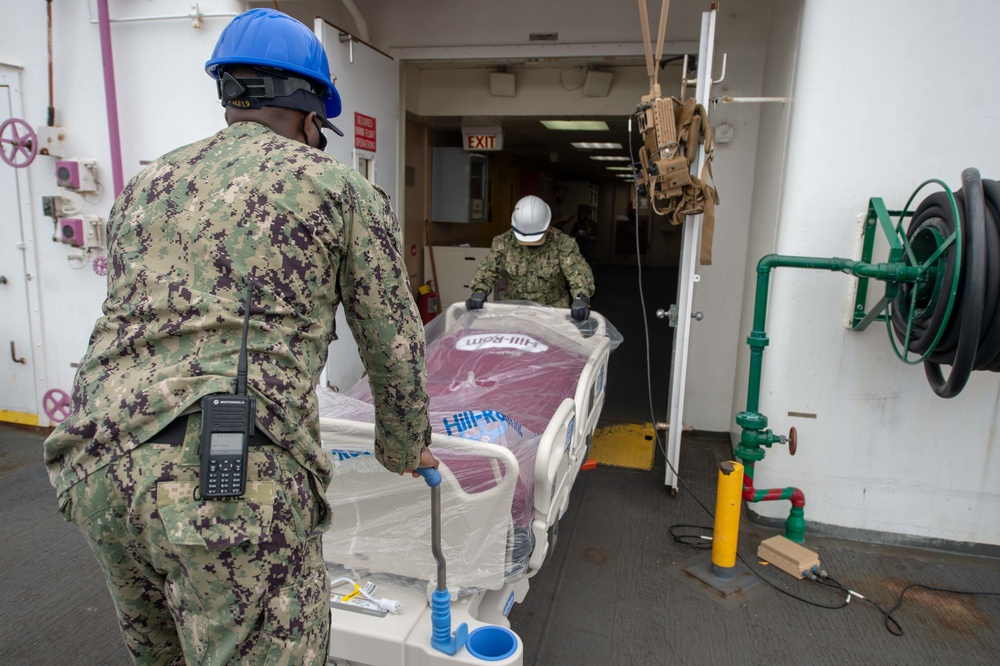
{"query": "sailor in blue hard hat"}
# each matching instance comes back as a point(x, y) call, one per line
point(267, 58)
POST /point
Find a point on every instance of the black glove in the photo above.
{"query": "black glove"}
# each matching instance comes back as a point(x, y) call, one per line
point(475, 302)
point(580, 308)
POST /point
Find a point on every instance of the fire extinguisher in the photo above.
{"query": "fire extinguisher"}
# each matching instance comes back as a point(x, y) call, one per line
point(428, 304)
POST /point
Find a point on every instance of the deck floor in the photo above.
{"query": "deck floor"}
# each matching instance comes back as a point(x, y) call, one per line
point(617, 590)
point(614, 592)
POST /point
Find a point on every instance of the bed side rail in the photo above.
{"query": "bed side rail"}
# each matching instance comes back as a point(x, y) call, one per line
point(381, 521)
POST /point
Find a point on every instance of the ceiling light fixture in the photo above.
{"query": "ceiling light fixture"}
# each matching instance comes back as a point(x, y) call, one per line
point(577, 125)
point(596, 145)
point(617, 168)
point(610, 158)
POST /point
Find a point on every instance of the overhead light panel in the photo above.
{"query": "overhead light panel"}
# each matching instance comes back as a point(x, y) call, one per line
point(596, 145)
point(610, 158)
point(629, 169)
point(577, 125)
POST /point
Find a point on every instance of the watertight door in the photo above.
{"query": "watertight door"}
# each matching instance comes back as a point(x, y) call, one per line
point(18, 399)
point(368, 83)
point(688, 276)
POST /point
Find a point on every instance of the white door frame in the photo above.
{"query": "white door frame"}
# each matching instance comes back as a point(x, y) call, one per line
point(34, 353)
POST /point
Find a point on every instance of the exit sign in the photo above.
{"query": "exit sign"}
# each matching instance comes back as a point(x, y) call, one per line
point(483, 140)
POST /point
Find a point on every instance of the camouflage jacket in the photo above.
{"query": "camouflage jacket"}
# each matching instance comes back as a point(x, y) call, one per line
point(184, 238)
point(541, 273)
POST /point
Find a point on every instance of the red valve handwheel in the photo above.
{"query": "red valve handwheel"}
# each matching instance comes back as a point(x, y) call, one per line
point(57, 405)
point(18, 143)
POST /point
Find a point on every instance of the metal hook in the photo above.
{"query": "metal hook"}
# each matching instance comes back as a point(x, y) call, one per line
point(13, 354)
point(348, 37)
point(685, 81)
point(723, 74)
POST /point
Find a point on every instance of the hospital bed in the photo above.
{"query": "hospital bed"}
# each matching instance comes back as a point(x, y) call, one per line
point(516, 392)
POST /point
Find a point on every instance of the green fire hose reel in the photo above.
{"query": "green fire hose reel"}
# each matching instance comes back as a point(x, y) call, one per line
point(941, 304)
point(926, 253)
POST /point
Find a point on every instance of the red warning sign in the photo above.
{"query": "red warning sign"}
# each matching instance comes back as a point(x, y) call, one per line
point(364, 132)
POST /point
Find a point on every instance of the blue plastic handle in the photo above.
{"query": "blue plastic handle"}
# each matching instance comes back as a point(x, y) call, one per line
point(431, 475)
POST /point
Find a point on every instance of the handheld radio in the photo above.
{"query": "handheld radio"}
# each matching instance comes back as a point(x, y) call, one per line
point(227, 423)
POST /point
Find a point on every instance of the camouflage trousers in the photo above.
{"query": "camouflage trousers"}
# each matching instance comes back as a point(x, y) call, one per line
point(209, 582)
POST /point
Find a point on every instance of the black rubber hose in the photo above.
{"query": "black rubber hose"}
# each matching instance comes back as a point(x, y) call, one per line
point(989, 346)
point(971, 335)
point(973, 292)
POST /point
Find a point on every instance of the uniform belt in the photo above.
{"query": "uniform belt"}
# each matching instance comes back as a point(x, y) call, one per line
point(174, 432)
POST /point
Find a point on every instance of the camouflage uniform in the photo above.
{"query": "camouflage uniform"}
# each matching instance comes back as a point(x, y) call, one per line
point(536, 273)
point(185, 236)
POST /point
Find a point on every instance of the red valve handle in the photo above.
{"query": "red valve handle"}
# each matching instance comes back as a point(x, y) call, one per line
point(20, 147)
point(57, 405)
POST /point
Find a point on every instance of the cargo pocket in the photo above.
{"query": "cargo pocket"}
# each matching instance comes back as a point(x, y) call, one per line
point(296, 628)
point(216, 524)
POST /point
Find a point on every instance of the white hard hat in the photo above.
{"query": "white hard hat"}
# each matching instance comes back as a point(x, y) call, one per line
point(530, 220)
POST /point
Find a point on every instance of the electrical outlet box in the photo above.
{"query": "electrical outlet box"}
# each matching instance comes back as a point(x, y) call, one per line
point(83, 232)
point(77, 175)
point(788, 556)
point(70, 231)
point(50, 140)
point(57, 206)
point(49, 206)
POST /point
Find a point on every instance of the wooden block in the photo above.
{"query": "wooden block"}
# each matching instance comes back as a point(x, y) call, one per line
point(788, 556)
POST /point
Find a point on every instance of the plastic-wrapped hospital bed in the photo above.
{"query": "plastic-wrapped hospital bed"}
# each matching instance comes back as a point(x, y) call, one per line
point(516, 392)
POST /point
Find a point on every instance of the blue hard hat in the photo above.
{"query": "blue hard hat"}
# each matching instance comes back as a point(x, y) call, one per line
point(269, 38)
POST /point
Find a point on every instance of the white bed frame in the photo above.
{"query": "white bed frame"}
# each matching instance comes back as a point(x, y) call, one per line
point(371, 535)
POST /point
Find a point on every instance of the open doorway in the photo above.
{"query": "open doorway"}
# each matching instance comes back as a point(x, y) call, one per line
point(578, 173)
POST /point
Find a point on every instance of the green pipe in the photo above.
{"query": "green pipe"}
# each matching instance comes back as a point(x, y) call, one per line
point(795, 525)
point(754, 424)
point(894, 272)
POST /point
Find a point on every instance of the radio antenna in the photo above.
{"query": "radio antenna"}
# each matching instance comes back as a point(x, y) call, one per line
point(241, 365)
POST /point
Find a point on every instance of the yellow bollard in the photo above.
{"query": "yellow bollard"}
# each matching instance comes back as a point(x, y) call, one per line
point(727, 519)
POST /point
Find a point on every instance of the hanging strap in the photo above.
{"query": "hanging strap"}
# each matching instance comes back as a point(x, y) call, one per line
point(652, 67)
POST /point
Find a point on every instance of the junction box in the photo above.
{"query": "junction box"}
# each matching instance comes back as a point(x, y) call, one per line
point(788, 556)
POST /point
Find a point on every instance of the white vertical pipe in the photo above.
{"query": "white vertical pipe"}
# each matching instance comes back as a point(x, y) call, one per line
point(359, 21)
point(687, 277)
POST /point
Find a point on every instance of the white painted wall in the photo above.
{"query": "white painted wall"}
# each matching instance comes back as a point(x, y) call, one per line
point(887, 95)
point(165, 100)
point(740, 32)
point(368, 83)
